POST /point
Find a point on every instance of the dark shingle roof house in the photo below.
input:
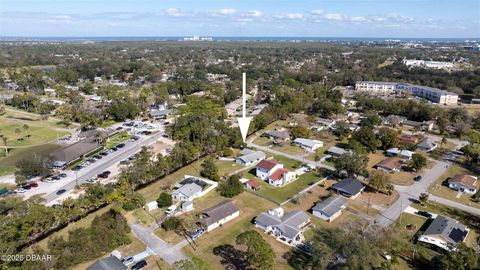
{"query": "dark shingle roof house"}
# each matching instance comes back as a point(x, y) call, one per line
point(349, 187)
point(109, 263)
point(445, 233)
point(219, 214)
point(390, 164)
point(277, 135)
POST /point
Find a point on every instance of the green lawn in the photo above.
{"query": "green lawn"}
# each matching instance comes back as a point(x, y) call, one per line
point(289, 164)
point(38, 132)
point(226, 167)
point(7, 164)
point(118, 138)
point(281, 194)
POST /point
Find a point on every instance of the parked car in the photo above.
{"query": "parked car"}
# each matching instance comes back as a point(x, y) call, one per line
point(107, 172)
point(114, 149)
point(121, 145)
point(20, 190)
point(127, 260)
point(62, 175)
point(139, 265)
point(417, 178)
point(103, 154)
point(50, 180)
point(60, 191)
point(77, 168)
point(33, 184)
point(424, 214)
point(171, 209)
point(103, 176)
point(197, 233)
point(26, 186)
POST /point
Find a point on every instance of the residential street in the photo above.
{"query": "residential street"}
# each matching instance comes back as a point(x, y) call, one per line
point(169, 253)
point(466, 208)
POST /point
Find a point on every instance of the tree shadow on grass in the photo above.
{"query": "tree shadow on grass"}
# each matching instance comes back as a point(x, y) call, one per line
point(232, 258)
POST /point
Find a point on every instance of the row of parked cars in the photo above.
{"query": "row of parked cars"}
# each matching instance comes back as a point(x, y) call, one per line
point(97, 157)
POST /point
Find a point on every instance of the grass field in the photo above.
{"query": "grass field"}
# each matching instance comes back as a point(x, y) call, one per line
point(7, 164)
point(281, 194)
point(441, 190)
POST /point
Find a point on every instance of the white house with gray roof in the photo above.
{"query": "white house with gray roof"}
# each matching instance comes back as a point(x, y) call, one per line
point(330, 208)
point(249, 157)
point(307, 144)
point(445, 233)
point(287, 228)
point(427, 145)
point(187, 192)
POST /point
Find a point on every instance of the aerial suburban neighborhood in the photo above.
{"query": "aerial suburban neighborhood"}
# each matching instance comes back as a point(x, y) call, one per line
point(272, 148)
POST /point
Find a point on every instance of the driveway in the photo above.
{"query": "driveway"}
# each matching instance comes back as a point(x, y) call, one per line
point(169, 253)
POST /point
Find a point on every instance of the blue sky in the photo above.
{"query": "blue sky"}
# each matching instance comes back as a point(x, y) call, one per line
point(321, 18)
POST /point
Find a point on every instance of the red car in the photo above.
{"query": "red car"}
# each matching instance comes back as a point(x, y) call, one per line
point(33, 184)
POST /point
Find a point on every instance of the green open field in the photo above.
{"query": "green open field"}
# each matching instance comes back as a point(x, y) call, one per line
point(37, 139)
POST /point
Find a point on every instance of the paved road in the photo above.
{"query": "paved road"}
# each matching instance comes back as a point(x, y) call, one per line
point(170, 253)
point(294, 157)
point(466, 208)
point(98, 167)
point(387, 217)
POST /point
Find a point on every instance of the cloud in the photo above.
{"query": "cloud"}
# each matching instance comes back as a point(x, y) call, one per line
point(174, 12)
point(317, 12)
point(227, 11)
point(254, 13)
point(289, 16)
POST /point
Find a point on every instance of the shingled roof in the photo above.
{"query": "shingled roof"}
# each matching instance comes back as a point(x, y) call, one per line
point(218, 212)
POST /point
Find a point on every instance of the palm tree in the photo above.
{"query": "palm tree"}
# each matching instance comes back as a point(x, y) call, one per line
point(26, 127)
point(5, 139)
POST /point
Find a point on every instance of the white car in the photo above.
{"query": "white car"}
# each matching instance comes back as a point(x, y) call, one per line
point(50, 180)
point(20, 190)
point(171, 209)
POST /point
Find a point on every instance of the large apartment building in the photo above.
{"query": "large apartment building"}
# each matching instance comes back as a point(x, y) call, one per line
point(429, 93)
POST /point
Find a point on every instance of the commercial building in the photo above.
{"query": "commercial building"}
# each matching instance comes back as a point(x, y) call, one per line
point(432, 94)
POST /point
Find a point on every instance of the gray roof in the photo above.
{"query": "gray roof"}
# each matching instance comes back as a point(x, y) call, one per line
point(109, 263)
point(252, 156)
point(188, 190)
point(349, 186)
point(76, 150)
point(426, 143)
point(246, 151)
point(218, 212)
point(160, 112)
point(288, 224)
point(336, 150)
point(307, 142)
point(277, 134)
point(452, 231)
point(331, 205)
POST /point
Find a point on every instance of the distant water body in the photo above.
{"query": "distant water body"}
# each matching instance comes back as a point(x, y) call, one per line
point(224, 38)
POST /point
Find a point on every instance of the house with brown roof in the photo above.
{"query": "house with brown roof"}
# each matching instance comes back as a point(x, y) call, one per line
point(407, 138)
point(218, 215)
point(274, 173)
point(391, 164)
point(464, 183)
point(253, 185)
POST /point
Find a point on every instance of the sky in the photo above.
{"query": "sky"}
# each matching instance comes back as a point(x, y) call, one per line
point(287, 18)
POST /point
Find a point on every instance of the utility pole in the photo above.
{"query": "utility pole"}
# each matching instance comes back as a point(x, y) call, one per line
point(401, 207)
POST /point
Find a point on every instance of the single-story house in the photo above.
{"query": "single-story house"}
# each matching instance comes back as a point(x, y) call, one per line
point(307, 144)
point(405, 154)
point(349, 187)
point(393, 120)
point(253, 185)
point(278, 136)
point(336, 151)
point(407, 138)
point(249, 157)
point(330, 208)
point(287, 228)
point(187, 192)
point(323, 123)
point(160, 113)
point(464, 182)
point(391, 164)
point(445, 233)
point(427, 145)
point(218, 214)
point(109, 263)
point(425, 125)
